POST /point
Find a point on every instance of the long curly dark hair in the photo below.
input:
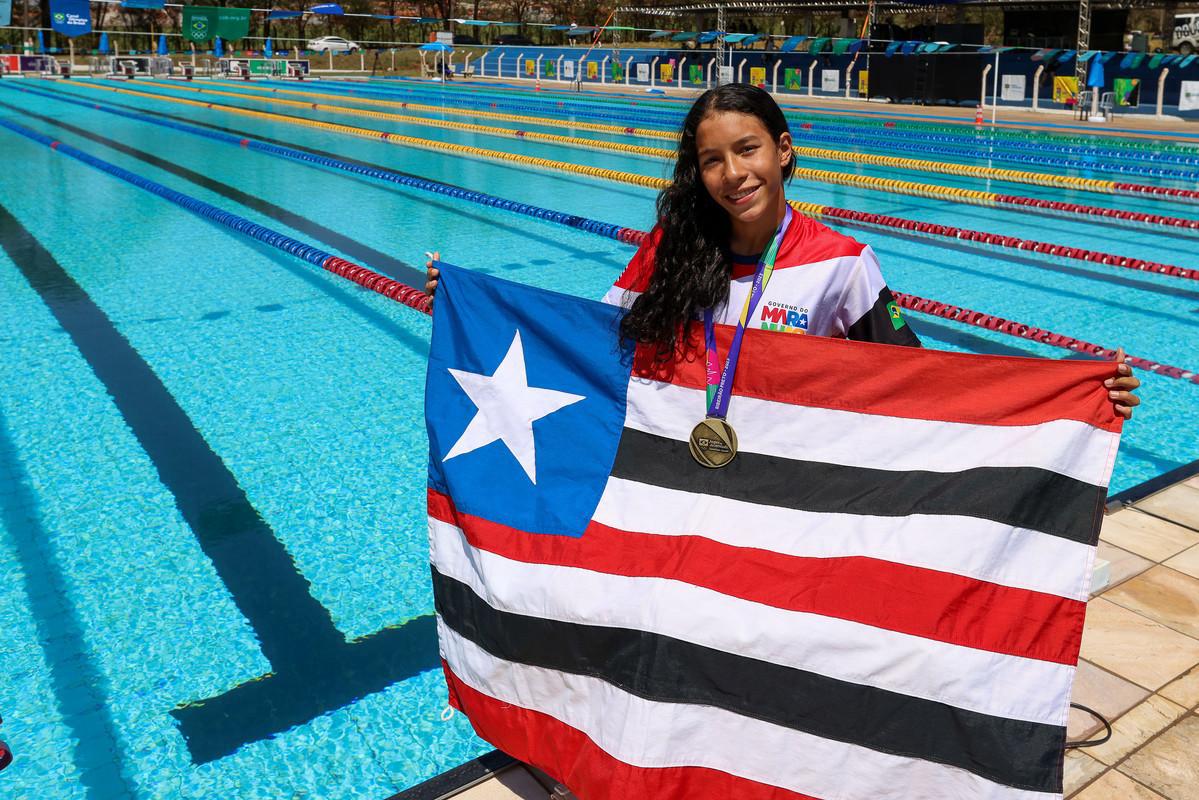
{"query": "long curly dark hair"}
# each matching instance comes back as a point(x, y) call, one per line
point(692, 263)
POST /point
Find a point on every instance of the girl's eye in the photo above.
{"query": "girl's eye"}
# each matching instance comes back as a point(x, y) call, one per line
point(749, 148)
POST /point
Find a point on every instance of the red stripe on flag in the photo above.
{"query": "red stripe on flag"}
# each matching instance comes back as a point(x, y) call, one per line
point(882, 594)
point(546, 743)
point(894, 381)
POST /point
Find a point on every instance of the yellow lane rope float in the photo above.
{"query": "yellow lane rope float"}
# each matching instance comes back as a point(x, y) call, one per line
point(597, 127)
point(895, 162)
point(892, 185)
point(814, 210)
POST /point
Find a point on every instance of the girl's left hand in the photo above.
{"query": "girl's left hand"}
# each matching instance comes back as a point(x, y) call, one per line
point(1120, 388)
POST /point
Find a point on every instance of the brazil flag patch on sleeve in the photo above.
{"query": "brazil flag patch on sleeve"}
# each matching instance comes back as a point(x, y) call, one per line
point(896, 318)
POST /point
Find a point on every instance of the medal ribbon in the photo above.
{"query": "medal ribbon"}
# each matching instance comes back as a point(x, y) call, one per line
point(720, 381)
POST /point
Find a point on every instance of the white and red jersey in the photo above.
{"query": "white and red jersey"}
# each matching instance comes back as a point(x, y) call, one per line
point(824, 284)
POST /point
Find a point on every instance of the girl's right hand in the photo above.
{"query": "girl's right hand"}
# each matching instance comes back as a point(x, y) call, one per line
point(432, 274)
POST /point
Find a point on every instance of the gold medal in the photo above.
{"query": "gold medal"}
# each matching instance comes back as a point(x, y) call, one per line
point(713, 443)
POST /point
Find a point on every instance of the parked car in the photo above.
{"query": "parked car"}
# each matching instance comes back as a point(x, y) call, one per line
point(334, 44)
point(1186, 33)
point(465, 38)
point(514, 39)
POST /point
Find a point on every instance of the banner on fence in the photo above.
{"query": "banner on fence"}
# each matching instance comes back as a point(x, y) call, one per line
point(830, 80)
point(1127, 91)
point(201, 23)
point(793, 78)
point(757, 76)
point(1065, 89)
point(71, 18)
point(1012, 88)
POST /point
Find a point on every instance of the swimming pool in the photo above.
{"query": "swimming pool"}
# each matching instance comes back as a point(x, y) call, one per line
point(212, 454)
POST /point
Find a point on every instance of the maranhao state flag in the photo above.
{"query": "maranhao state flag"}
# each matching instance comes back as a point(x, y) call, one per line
point(881, 596)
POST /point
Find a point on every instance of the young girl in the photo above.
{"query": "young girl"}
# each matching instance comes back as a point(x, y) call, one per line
point(723, 209)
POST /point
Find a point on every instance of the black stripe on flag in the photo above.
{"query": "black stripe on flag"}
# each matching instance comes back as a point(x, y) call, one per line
point(1025, 755)
point(1025, 497)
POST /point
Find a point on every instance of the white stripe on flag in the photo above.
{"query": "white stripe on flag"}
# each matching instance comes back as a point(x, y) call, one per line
point(650, 735)
point(976, 548)
point(1068, 447)
point(977, 680)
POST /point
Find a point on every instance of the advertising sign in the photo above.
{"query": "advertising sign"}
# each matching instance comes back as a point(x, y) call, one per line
point(568, 69)
point(592, 71)
point(643, 72)
point(1065, 89)
point(695, 74)
point(830, 80)
point(757, 76)
point(70, 17)
point(201, 23)
point(1188, 96)
point(793, 79)
point(1127, 91)
point(1011, 87)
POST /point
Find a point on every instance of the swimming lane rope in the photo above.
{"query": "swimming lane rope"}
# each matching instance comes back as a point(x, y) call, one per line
point(894, 162)
point(416, 299)
point(985, 151)
point(649, 182)
point(360, 275)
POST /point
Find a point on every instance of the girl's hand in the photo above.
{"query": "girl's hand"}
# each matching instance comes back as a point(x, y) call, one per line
point(1121, 388)
point(432, 274)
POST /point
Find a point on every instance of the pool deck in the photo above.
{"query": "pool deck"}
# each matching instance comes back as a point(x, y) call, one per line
point(1139, 667)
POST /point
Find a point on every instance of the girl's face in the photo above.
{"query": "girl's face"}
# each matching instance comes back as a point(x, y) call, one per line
point(741, 166)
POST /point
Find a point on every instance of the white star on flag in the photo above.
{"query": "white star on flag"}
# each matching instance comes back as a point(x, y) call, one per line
point(507, 408)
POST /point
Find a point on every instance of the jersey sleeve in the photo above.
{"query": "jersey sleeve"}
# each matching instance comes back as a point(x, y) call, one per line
point(868, 311)
point(635, 278)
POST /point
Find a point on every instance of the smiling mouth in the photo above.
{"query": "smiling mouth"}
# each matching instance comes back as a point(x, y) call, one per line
point(743, 196)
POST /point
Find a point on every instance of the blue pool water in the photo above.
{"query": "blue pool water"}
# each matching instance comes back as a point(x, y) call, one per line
point(212, 454)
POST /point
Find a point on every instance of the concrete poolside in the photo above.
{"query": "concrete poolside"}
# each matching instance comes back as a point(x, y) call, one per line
point(1139, 667)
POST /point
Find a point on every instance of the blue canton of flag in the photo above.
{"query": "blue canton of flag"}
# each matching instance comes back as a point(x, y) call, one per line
point(525, 401)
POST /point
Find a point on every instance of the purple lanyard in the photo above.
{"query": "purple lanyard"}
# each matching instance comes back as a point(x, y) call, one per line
point(720, 381)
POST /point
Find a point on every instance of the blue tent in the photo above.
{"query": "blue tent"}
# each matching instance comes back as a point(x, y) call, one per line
point(162, 44)
point(267, 49)
point(218, 49)
point(103, 44)
point(1095, 75)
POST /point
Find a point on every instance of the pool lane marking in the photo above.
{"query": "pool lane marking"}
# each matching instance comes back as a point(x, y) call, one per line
point(881, 184)
point(393, 267)
point(310, 658)
point(77, 682)
point(878, 221)
point(913, 302)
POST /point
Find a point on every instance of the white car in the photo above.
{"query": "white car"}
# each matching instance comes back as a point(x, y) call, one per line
point(1186, 34)
point(334, 44)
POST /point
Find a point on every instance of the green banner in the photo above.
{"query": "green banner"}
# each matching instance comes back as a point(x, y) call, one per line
point(201, 23)
point(697, 74)
point(617, 72)
point(793, 78)
point(547, 67)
